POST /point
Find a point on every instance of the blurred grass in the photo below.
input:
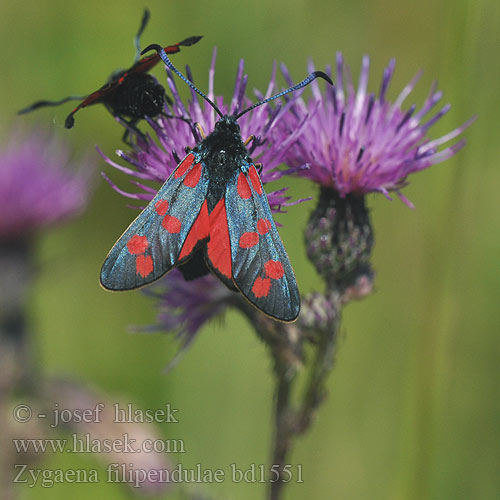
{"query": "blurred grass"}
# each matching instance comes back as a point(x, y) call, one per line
point(414, 409)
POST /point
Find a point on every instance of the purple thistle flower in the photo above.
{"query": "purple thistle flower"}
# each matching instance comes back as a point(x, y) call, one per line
point(155, 162)
point(357, 142)
point(36, 187)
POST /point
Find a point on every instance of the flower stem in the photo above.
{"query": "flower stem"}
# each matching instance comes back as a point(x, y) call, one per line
point(16, 366)
point(15, 352)
point(283, 434)
point(291, 421)
point(319, 323)
point(315, 391)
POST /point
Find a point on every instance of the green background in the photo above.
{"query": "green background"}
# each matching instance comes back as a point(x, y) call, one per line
point(413, 406)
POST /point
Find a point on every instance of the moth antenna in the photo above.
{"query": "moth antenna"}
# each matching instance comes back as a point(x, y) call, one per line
point(137, 39)
point(303, 83)
point(168, 63)
point(190, 41)
point(41, 104)
point(70, 120)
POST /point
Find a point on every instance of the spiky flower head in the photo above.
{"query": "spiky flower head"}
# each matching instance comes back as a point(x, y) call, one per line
point(356, 143)
point(39, 184)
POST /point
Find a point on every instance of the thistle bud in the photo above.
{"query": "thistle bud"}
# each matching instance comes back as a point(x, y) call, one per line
point(339, 238)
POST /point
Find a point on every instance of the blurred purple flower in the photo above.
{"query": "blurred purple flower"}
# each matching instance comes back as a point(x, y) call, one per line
point(145, 473)
point(358, 143)
point(37, 188)
point(155, 162)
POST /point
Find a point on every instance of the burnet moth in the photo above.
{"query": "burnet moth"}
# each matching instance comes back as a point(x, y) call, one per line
point(211, 214)
point(130, 93)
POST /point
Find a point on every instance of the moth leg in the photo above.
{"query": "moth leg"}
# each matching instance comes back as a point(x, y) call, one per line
point(259, 167)
point(176, 157)
point(200, 130)
point(193, 126)
point(187, 149)
point(249, 140)
point(130, 126)
point(168, 116)
point(256, 141)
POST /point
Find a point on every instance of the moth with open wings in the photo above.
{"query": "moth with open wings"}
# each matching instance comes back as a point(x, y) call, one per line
point(211, 214)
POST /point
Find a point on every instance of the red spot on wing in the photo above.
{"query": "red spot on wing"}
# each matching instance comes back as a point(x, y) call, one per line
point(161, 207)
point(263, 226)
point(171, 224)
point(243, 187)
point(254, 177)
point(184, 165)
point(193, 176)
point(137, 244)
point(144, 265)
point(261, 287)
point(248, 240)
point(198, 232)
point(274, 269)
point(219, 244)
